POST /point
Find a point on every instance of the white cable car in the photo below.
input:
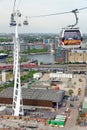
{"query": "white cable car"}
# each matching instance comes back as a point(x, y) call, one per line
point(13, 22)
point(19, 24)
point(71, 37)
point(26, 21)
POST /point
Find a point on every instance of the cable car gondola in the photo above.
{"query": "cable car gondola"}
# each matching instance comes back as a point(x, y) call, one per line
point(19, 24)
point(26, 21)
point(70, 38)
point(13, 22)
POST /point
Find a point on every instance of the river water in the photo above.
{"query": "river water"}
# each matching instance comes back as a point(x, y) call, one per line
point(45, 58)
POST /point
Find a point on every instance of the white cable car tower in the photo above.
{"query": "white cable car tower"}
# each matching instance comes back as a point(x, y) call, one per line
point(17, 94)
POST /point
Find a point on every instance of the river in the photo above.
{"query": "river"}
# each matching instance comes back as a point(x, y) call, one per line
point(45, 58)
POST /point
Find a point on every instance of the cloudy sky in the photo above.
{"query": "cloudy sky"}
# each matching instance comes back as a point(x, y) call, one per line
point(52, 24)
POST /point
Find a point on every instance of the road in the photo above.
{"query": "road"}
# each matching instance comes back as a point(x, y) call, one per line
point(43, 127)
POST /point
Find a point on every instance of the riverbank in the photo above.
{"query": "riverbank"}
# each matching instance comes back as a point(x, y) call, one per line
point(38, 53)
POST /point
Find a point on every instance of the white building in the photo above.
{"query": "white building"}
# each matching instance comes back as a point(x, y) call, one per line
point(60, 75)
point(37, 75)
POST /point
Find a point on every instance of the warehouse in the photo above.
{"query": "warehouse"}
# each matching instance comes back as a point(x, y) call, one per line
point(34, 97)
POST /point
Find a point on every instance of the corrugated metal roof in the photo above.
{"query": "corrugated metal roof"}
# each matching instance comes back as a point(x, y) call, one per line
point(38, 94)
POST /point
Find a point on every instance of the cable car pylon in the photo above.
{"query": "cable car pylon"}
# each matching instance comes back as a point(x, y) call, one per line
point(17, 107)
point(17, 94)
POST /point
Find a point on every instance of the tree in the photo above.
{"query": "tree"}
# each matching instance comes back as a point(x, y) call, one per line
point(41, 63)
point(70, 92)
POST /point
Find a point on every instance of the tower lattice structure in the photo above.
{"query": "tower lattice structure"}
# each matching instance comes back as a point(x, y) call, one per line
point(17, 94)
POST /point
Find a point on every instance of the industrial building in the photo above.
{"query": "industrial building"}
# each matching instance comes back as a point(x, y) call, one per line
point(34, 97)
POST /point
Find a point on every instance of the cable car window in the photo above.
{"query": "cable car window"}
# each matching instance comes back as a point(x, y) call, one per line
point(72, 35)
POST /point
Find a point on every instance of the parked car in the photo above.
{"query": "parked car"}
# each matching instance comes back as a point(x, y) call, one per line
point(64, 104)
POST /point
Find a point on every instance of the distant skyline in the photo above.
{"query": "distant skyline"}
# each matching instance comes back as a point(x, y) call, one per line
point(52, 24)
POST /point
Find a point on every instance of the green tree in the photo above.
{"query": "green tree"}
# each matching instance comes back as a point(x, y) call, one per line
point(41, 63)
point(70, 92)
